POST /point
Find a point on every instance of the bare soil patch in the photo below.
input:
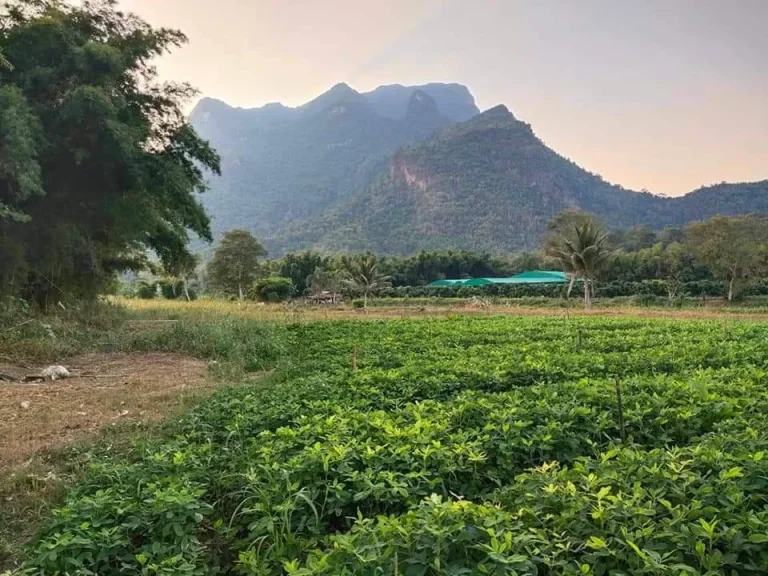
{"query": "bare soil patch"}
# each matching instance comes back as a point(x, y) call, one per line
point(103, 389)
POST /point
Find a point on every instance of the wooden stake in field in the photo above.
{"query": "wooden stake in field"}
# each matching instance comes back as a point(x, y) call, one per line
point(620, 405)
point(354, 358)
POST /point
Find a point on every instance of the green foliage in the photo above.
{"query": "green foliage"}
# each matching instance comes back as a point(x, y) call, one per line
point(146, 290)
point(325, 280)
point(235, 263)
point(174, 289)
point(98, 164)
point(364, 276)
point(273, 289)
point(583, 253)
point(300, 268)
point(20, 137)
point(736, 249)
point(459, 445)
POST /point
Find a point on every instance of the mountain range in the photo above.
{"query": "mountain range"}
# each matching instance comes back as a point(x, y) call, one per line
point(405, 168)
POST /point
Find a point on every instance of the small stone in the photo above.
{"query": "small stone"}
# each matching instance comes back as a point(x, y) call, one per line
point(24, 405)
point(124, 413)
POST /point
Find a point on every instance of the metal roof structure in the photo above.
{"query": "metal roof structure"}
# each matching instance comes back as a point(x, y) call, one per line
point(443, 283)
point(530, 277)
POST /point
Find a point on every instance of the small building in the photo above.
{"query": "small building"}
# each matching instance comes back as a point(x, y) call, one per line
point(325, 297)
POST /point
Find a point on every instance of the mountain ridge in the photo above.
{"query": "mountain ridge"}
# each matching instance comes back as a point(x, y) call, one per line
point(490, 184)
point(393, 170)
point(281, 165)
point(459, 107)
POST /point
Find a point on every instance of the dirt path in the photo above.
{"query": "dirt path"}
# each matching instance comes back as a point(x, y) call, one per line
point(105, 388)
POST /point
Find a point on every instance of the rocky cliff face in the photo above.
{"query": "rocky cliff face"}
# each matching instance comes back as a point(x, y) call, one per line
point(490, 184)
point(282, 165)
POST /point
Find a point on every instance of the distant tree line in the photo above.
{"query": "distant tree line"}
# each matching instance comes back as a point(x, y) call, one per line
point(721, 256)
point(100, 170)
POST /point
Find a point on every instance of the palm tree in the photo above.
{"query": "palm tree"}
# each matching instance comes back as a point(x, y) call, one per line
point(583, 255)
point(363, 275)
point(5, 64)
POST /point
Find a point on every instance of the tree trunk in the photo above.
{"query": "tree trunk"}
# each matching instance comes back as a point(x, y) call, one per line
point(730, 289)
point(186, 293)
point(570, 286)
point(587, 295)
point(365, 298)
point(671, 292)
point(240, 291)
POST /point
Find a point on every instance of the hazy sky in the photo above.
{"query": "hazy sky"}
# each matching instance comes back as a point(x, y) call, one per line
point(660, 94)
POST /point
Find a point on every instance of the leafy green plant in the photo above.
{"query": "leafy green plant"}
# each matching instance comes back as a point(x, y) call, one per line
point(273, 289)
point(146, 290)
point(459, 445)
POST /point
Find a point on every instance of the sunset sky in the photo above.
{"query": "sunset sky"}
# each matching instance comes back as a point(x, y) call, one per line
point(666, 95)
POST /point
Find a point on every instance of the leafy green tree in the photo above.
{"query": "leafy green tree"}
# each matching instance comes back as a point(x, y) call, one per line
point(4, 63)
point(564, 223)
point(671, 267)
point(146, 290)
point(363, 274)
point(325, 280)
point(235, 263)
point(735, 248)
point(273, 289)
point(298, 267)
point(583, 254)
point(98, 164)
point(181, 273)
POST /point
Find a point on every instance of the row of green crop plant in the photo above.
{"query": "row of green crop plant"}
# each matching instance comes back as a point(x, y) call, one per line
point(697, 510)
point(661, 288)
point(498, 353)
point(448, 427)
point(196, 501)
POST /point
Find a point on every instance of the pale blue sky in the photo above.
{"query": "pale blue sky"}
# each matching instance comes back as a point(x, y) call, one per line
point(660, 94)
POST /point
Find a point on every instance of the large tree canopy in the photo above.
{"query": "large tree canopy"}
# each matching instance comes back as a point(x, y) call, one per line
point(98, 164)
point(735, 248)
point(235, 263)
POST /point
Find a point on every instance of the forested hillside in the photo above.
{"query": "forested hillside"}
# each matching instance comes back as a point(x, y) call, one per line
point(492, 184)
point(282, 165)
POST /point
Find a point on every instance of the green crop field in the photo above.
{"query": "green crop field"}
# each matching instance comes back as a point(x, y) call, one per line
point(459, 445)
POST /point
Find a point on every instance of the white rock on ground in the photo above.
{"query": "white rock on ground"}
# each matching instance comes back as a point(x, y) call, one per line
point(55, 373)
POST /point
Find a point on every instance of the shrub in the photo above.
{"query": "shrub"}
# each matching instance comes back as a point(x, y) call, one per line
point(273, 289)
point(358, 304)
point(172, 290)
point(146, 290)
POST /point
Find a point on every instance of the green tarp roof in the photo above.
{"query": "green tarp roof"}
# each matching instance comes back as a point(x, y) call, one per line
point(438, 283)
point(541, 277)
point(531, 277)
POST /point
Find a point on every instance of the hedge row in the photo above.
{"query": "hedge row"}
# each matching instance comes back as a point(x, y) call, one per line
point(701, 288)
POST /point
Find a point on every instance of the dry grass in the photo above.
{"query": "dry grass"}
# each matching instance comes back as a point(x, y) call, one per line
point(105, 389)
point(163, 309)
point(115, 396)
